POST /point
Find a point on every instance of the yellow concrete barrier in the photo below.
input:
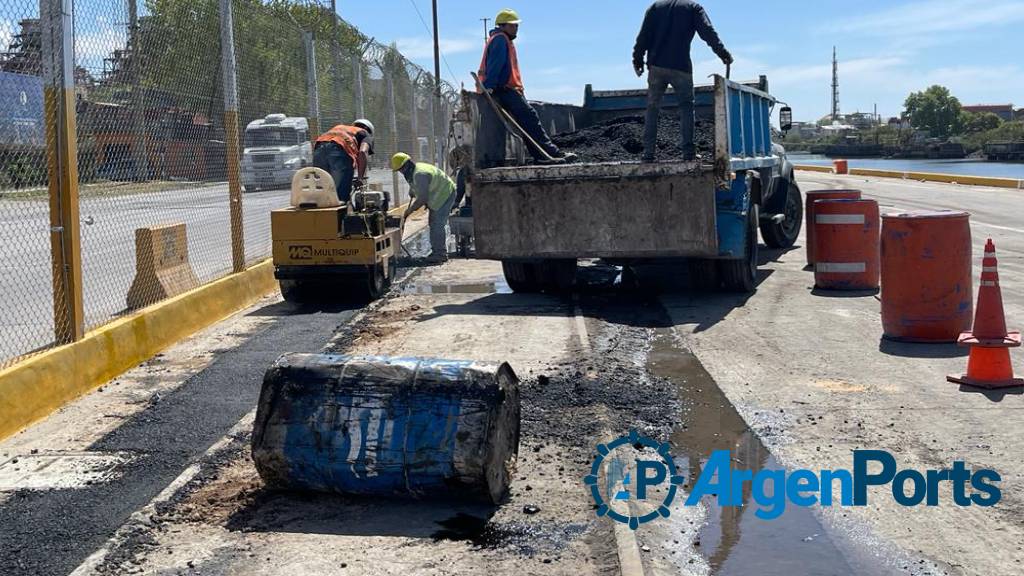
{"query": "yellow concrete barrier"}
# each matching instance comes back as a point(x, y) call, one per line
point(162, 267)
point(810, 168)
point(926, 177)
point(34, 388)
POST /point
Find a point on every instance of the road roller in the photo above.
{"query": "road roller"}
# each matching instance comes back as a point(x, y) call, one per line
point(324, 250)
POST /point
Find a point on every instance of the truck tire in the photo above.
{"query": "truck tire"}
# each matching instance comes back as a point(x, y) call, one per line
point(783, 235)
point(740, 276)
point(704, 275)
point(522, 276)
point(558, 276)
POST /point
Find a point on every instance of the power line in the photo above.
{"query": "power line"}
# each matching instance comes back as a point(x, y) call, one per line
point(455, 81)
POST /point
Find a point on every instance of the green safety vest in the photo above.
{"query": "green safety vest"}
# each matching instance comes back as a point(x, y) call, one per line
point(441, 186)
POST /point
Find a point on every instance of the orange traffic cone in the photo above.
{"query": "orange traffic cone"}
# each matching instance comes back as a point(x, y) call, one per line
point(989, 365)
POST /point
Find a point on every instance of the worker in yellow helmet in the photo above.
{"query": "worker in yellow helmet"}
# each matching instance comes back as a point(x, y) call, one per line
point(500, 76)
point(429, 186)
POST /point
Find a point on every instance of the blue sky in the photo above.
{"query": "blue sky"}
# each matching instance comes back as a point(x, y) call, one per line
point(886, 48)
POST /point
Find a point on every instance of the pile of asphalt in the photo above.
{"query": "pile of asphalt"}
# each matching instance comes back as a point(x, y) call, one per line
point(622, 139)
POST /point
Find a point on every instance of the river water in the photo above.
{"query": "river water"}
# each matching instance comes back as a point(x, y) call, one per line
point(965, 167)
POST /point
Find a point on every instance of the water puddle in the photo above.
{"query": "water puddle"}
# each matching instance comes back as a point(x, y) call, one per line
point(734, 541)
point(527, 539)
point(497, 286)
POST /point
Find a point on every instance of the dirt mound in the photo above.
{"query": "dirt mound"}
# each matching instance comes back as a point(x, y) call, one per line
point(623, 139)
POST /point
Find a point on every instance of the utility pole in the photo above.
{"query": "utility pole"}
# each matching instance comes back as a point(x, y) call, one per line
point(231, 134)
point(434, 148)
point(139, 153)
point(835, 87)
point(486, 29)
point(336, 60)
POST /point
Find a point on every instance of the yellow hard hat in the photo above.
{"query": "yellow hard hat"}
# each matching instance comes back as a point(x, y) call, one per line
point(507, 16)
point(399, 160)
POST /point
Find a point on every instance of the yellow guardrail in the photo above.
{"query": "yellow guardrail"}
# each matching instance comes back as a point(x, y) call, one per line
point(924, 177)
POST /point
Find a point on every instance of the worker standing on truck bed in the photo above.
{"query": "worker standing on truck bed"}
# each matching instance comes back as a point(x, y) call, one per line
point(665, 38)
point(343, 152)
point(430, 187)
point(499, 74)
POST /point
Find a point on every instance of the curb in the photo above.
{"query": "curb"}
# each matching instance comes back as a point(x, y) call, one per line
point(924, 177)
point(34, 388)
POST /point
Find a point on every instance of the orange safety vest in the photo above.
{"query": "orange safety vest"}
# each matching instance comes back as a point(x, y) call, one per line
point(515, 79)
point(344, 136)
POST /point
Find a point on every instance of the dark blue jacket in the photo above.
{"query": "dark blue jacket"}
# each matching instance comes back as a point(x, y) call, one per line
point(668, 31)
point(499, 68)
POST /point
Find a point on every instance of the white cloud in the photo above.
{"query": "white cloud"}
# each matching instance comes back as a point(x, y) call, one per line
point(920, 18)
point(6, 33)
point(422, 47)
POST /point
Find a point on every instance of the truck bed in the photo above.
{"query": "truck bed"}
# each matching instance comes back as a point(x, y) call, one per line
point(595, 210)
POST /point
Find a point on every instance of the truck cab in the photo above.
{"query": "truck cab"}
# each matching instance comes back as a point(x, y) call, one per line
point(275, 147)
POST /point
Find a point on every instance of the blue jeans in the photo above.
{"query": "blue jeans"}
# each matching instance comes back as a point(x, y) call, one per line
point(336, 161)
point(658, 81)
point(438, 221)
point(516, 105)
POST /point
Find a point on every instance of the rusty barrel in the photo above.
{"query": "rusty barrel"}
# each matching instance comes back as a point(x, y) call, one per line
point(846, 242)
point(812, 197)
point(841, 166)
point(927, 283)
point(373, 426)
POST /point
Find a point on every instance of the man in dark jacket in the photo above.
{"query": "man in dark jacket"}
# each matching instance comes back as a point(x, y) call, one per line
point(499, 74)
point(665, 38)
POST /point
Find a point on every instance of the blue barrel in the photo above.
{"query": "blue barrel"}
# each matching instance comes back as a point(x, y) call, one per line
point(388, 426)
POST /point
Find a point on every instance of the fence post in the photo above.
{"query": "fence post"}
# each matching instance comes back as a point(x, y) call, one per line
point(336, 57)
point(139, 149)
point(311, 87)
point(62, 154)
point(357, 74)
point(227, 43)
point(393, 116)
point(433, 128)
point(414, 117)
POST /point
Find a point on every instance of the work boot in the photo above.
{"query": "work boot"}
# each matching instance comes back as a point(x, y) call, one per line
point(437, 258)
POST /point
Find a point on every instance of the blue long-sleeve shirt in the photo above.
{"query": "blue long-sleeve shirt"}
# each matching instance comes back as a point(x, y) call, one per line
point(498, 66)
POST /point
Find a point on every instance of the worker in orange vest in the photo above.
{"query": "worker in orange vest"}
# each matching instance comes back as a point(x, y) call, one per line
point(343, 151)
point(500, 76)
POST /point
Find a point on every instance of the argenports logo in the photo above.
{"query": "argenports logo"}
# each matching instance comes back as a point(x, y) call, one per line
point(636, 489)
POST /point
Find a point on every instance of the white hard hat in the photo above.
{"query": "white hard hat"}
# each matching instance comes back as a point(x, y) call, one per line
point(364, 123)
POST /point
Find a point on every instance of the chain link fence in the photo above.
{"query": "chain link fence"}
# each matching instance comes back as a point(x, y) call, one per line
point(153, 147)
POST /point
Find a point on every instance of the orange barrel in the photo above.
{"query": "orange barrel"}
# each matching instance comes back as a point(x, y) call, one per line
point(841, 166)
point(846, 244)
point(812, 197)
point(927, 282)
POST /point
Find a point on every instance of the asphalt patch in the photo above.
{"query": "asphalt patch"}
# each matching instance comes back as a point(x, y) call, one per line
point(53, 532)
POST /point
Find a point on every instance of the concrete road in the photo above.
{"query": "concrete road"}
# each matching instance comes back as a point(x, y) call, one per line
point(784, 378)
point(108, 251)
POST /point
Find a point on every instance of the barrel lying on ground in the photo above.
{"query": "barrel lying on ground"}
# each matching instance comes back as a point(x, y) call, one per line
point(388, 426)
point(927, 284)
point(846, 241)
point(812, 197)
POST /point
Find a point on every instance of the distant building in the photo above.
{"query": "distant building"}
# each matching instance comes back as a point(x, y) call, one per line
point(1019, 114)
point(805, 129)
point(861, 120)
point(1004, 111)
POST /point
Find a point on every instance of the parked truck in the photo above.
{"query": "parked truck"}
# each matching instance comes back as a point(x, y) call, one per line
point(275, 148)
point(704, 215)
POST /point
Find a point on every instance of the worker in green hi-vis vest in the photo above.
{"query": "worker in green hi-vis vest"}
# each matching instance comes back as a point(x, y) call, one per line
point(431, 187)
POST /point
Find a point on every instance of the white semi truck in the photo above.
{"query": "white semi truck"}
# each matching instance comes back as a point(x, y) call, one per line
point(275, 148)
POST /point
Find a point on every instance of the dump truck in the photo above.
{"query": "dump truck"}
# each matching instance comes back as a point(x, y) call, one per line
point(541, 220)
